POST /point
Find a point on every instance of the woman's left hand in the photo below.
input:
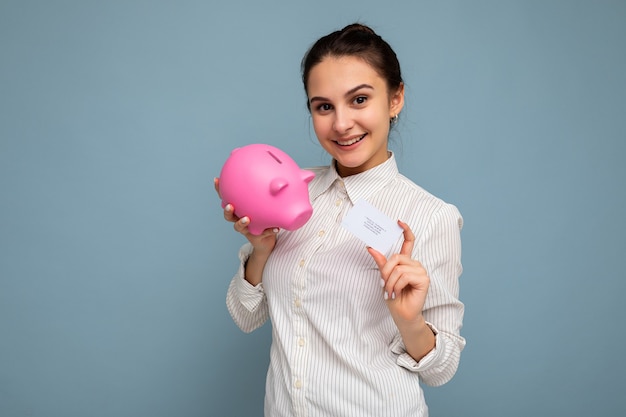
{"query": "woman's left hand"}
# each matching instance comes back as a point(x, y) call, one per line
point(404, 280)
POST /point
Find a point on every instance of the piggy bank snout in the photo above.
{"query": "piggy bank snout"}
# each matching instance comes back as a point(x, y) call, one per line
point(296, 216)
point(301, 219)
point(290, 217)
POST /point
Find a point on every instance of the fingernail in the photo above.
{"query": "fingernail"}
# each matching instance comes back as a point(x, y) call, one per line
point(382, 282)
point(228, 207)
point(275, 230)
point(393, 295)
point(386, 295)
point(244, 220)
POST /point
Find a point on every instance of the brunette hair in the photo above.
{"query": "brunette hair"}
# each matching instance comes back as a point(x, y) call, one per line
point(359, 41)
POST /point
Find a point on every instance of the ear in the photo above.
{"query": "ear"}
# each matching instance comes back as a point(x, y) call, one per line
point(307, 176)
point(277, 185)
point(396, 101)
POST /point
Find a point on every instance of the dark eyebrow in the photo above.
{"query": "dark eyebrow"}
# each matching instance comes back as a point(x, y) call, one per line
point(348, 93)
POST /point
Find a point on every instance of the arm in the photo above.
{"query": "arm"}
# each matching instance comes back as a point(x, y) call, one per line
point(255, 265)
point(245, 298)
point(441, 254)
point(246, 303)
point(423, 298)
point(405, 287)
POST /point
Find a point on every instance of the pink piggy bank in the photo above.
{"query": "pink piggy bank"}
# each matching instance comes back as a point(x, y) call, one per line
point(265, 184)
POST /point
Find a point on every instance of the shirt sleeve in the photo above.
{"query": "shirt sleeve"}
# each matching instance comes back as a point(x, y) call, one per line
point(246, 303)
point(440, 253)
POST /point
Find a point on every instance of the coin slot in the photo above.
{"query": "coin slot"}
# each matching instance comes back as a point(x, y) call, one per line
point(275, 157)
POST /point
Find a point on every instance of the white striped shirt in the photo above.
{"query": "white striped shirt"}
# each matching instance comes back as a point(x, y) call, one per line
point(335, 348)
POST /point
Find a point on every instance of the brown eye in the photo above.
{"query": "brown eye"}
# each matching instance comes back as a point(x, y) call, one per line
point(324, 107)
point(360, 100)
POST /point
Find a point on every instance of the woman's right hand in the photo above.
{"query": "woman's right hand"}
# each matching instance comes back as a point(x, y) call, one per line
point(262, 244)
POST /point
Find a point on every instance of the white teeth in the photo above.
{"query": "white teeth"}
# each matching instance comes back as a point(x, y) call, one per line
point(350, 142)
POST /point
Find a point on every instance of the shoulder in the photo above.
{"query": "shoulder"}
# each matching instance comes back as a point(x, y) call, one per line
point(409, 190)
point(418, 203)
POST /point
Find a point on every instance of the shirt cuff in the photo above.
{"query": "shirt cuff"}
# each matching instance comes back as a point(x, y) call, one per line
point(406, 361)
point(250, 296)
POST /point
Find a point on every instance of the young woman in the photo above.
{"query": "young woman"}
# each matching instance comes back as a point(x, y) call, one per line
point(354, 331)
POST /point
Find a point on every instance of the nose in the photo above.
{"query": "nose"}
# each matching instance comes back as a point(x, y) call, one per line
point(343, 120)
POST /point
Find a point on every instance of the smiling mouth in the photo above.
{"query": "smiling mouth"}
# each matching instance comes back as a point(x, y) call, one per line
point(351, 141)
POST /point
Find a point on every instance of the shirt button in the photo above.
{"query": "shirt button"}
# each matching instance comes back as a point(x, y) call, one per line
point(298, 383)
point(301, 342)
point(297, 302)
point(338, 202)
point(301, 263)
point(321, 233)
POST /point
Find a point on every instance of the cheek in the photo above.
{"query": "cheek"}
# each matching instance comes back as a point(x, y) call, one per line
point(377, 115)
point(321, 125)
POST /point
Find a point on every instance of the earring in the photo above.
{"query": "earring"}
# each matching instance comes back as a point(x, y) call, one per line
point(393, 120)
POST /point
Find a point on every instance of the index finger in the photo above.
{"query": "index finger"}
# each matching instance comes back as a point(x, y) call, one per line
point(409, 239)
point(379, 258)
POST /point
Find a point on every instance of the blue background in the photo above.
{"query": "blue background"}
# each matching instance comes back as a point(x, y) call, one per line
point(114, 258)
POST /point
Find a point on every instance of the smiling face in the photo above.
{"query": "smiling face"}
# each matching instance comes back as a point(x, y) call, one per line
point(351, 107)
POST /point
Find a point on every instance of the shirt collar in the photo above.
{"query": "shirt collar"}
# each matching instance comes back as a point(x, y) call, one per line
point(358, 186)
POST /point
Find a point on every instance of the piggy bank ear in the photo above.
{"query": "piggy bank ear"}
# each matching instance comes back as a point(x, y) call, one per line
point(277, 185)
point(307, 176)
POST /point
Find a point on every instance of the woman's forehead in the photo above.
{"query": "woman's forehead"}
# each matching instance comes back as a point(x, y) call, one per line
point(338, 75)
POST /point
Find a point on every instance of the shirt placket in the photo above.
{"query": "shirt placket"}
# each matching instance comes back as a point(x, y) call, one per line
point(336, 207)
point(299, 338)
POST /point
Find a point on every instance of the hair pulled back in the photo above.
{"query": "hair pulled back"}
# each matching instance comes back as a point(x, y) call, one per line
point(359, 41)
